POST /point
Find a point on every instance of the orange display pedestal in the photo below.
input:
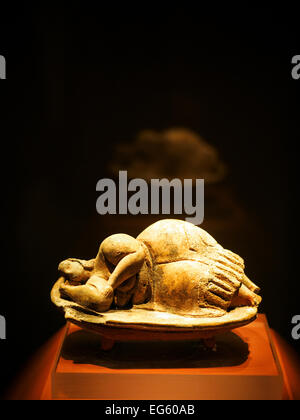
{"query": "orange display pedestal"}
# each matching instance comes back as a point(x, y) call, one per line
point(251, 362)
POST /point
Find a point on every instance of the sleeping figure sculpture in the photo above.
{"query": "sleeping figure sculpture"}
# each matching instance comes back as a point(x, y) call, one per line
point(172, 267)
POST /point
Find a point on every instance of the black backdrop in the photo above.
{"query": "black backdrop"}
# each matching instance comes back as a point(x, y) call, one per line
point(80, 80)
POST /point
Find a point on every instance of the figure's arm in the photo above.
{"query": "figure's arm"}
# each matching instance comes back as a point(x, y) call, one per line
point(95, 294)
point(122, 255)
point(128, 267)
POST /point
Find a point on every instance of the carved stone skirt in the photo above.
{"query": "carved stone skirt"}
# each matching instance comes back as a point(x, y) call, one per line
point(190, 288)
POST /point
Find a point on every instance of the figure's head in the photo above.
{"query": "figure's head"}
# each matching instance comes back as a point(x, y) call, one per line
point(75, 270)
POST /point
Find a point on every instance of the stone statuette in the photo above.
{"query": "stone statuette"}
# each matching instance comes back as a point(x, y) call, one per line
point(174, 275)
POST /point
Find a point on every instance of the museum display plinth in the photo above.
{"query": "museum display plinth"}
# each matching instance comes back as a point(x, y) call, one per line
point(244, 365)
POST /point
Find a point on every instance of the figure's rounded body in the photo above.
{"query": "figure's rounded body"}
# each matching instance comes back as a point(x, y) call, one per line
point(172, 266)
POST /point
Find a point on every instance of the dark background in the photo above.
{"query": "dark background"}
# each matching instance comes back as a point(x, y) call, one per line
point(80, 80)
